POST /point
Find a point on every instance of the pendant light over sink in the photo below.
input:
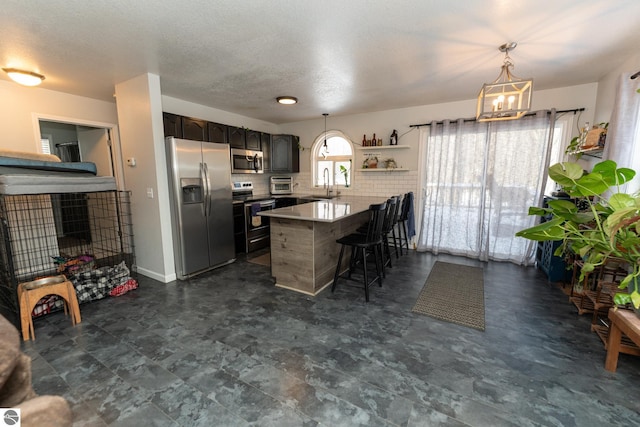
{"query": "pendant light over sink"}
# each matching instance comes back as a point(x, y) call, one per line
point(324, 151)
point(508, 97)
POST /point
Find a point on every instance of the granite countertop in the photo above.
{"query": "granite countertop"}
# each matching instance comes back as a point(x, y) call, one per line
point(266, 196)
point(331, 210)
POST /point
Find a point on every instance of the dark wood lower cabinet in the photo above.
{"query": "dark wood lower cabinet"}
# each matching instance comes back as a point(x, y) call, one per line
point(238, 228)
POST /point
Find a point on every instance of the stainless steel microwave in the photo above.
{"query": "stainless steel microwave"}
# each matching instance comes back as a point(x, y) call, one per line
point(246, 161)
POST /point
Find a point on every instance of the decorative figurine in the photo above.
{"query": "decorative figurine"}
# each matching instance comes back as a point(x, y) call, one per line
point(394, 138)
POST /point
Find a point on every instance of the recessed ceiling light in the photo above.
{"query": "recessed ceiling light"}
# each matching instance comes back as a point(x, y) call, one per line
point(26, 78)
point(287, 100)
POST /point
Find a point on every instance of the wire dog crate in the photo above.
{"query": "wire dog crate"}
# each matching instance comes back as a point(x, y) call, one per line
point(48, 234)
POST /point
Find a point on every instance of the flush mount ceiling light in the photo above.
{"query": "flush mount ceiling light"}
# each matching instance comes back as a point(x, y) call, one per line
point(508, 97)
point(287, 100)
point(26, 78)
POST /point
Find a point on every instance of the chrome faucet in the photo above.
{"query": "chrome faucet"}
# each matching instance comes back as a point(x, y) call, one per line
point(325, 178)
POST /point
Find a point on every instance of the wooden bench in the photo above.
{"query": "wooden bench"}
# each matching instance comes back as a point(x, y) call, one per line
point(622, 322)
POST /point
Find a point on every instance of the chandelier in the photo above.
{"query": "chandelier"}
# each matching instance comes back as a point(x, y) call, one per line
point(508, 97)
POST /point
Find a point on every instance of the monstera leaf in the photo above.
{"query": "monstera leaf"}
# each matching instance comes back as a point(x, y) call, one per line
point(601, 229)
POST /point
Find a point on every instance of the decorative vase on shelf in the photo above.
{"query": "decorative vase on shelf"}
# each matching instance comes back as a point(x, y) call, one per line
point(394, 138)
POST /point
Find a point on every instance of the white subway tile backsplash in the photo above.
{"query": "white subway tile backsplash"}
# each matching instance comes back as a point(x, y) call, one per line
point(383, 184)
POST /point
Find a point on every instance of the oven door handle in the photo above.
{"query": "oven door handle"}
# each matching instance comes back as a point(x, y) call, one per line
point(267, 204)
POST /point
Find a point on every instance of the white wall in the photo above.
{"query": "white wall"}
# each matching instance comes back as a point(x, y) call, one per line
point(189, 109)
point(607, 87)
point(382, 124)
point(21, 105)
point(139, 116)
point(142, 136)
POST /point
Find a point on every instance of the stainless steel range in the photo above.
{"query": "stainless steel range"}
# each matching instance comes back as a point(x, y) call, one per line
point(256, 227)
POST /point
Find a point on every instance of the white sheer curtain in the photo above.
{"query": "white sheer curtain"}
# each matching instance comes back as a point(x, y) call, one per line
point(624, 129)
point(479, 180)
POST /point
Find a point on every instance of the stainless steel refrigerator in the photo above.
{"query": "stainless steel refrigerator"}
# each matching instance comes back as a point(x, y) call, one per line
point(202, 206)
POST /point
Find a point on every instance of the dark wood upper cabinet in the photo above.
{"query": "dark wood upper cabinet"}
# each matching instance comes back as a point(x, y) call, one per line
point(217, 133)
point(172, 125)
point(252, 141)
point(194, 129)
point(265, 142)
point(236, 137)
point(285, 156)
point(202, 130)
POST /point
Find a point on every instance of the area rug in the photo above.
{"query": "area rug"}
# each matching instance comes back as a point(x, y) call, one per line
point(264, 259)
point(453, 293)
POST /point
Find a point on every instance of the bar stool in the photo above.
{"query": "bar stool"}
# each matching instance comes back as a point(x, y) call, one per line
point(392, 227)
point(362, 244)
point(29, 293)
point(402, 223)
point(390, 216)
point(390, 212)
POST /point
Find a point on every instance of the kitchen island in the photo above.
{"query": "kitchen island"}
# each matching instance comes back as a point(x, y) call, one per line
point(304, 252)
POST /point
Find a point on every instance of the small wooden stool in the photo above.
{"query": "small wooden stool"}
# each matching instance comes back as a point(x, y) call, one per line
point(29, 293)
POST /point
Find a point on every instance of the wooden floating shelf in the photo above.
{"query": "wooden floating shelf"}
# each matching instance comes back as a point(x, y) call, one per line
point(593, 152)
point(382, 147)
point(383, 170)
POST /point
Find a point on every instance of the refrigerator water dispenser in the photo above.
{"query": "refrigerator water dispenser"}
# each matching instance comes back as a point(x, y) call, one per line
point(191, 190)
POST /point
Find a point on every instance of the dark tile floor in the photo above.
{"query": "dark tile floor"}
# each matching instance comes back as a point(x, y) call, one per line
point(230, 349)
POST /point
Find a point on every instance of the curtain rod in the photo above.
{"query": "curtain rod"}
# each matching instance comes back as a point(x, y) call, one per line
point(635, 75)
point(574, 110)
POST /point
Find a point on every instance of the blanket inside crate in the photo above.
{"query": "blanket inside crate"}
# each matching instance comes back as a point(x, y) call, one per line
point(91, 285)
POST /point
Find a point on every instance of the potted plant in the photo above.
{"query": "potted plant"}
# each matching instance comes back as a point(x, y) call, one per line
point(345, 172)
point(577, 143)
point(607, 227)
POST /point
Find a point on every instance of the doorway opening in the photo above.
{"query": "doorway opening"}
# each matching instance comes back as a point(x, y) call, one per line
point(79, 142)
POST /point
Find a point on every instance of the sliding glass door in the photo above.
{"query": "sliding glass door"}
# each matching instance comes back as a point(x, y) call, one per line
point(479, 180)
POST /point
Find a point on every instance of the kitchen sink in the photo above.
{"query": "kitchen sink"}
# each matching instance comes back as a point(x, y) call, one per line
point(315, 198)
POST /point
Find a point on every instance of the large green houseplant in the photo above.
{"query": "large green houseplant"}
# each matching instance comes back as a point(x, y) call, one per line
point(607, 226)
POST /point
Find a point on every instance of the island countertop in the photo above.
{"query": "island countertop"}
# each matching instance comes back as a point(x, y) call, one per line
point(304, 247)
point(330, 210)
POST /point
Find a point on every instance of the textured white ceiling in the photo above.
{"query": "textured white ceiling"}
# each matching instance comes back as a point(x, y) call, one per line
point(336, 56)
